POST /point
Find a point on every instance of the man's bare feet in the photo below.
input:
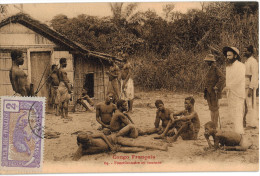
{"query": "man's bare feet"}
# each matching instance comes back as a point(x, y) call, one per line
point(165, 147)
point(172, 139)
point(159, 137)
point(250, 127)
point(67, 118)
point(130, 112)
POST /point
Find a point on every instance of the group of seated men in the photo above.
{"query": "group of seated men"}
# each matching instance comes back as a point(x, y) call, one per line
point(119, 130)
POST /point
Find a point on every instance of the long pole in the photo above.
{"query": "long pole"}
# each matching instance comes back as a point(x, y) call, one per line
point(103, 71)
point(41, 78)
point(37, 91)
point(216, 92)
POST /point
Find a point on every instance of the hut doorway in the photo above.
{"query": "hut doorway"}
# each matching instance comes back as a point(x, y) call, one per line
point(89, 84)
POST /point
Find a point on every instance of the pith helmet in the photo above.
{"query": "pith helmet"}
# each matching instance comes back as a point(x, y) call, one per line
point(227, 48)
point(210, 57)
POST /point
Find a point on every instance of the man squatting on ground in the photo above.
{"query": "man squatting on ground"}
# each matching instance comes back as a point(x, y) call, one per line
point(250, 116)
point(18, 77)
point(113, 84)
point(92, 144)
point(228, 139)
point(54, 84)
point(127, 84)
point(235, 87)
point(188, 125)
point(214, 85)
point(64, 88)
point(104, 113)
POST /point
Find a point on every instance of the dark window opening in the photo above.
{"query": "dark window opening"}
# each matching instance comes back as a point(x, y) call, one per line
point(89, 84)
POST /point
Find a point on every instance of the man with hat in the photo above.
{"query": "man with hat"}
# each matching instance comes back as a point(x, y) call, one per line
point(215, 81)
point(251, 86)
point(235, 87)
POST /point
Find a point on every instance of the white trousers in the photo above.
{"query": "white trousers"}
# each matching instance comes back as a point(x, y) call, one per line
point(252, 115)
point(236, 109)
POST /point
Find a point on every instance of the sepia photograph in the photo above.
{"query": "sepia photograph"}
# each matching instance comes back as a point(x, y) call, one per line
point(101, 87)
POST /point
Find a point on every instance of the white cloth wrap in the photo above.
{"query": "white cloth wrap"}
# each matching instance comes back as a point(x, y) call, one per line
point(128, 93)
point(251, 82)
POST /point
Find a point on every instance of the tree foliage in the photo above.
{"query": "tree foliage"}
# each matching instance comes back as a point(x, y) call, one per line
point(167, 50)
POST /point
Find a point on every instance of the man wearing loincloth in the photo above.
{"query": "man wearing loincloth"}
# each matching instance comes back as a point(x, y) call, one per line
point(54, 84)
point(93, 144)
point(105, 111)
point(121, 123)
point(18, 77)
point(127, 84)
point(113, 84)
point(187, 126)
point(228, 139)
point(64, 88)
point(214, 84)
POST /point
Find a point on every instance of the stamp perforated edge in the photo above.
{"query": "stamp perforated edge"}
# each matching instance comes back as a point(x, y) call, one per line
point(21, 169)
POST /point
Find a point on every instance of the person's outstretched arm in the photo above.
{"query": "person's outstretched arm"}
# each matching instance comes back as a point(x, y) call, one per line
point(207, 138)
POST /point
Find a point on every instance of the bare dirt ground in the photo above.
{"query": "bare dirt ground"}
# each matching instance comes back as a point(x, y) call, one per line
point(62, 148)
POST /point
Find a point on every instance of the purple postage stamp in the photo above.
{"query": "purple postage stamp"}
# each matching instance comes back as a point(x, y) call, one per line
point(22, 128)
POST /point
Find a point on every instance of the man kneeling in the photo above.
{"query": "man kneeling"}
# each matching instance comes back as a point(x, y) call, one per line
point(92, 144)
point(228, 139)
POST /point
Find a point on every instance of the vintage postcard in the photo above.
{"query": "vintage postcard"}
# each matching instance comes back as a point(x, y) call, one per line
point(129, 87)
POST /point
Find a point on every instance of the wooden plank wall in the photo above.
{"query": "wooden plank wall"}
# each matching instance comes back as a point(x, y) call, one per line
point(78, 76)
point(84, 66)
point(19, 35)
point(14, 36)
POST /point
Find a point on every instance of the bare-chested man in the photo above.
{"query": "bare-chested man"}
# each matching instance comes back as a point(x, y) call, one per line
point(122, 123)
point(113, 85)
point(228, 139)
point(54, 84)
point(18, 77)
point(93, 144)
point(127, 84)
point(188, 125)
point(105, 111)
point(162, 114)
point(64, 88)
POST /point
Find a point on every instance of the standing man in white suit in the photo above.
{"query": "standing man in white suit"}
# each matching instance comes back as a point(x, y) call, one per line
point(235, 87)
